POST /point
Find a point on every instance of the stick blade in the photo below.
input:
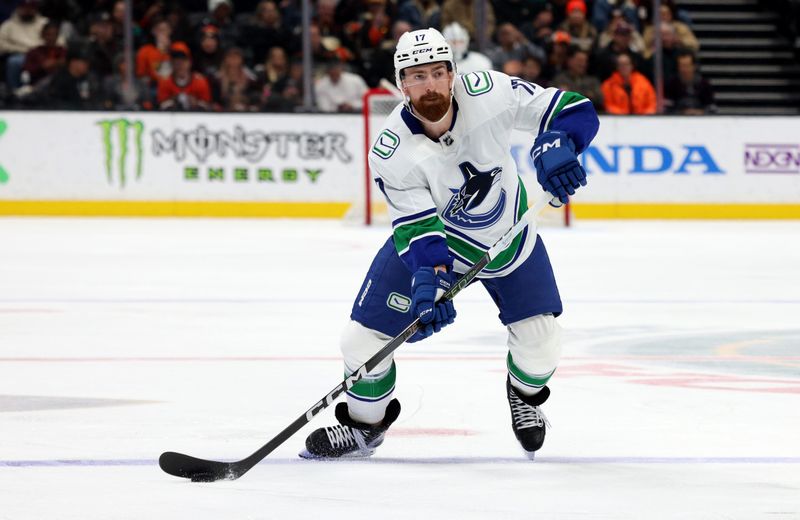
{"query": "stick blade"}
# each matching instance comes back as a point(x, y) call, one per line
point(197, 470)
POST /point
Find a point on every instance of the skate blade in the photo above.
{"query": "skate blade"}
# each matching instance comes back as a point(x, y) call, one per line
point(305, 454)
point(530, 454)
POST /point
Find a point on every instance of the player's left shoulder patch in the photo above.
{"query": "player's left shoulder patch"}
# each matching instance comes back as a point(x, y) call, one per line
point(386, 144)
point(477, 83)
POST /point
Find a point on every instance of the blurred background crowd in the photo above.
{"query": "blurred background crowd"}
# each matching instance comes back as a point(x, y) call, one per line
point(246, 55)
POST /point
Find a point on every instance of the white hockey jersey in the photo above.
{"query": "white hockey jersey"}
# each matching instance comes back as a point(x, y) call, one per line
point(450, 200)
point(473, 62)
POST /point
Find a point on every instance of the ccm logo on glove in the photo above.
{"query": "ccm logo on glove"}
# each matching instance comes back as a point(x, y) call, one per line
point(557, 166)
point(427, 288)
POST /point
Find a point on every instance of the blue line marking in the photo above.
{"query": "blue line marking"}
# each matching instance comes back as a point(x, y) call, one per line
point(429, 460)
point(306, 301)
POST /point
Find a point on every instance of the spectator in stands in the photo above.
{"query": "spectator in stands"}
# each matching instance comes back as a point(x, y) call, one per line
point(532, 70)
point(18, 35)
point(118, 24)
point(374, 27)
point(325, 49)
point(466, 61)
point(670, 49)
point(605, 60)
point(118, 96)
point(420, 14)
point(628, 91)
point(512, 68)
point(287, 93)
point(539, 31)
point(339, 90)
point(221, 15)
point(461, 11)
point(557, 56)
point(274, 69)
point(582, 33)
point(102, 46)
point(618, 17)
point(683, 33)
point(42, 61)
point(688, 93)
point(576, 79)
point(208, 55)
point(515, 11)
point(381, 66)
point(64, 13)
point(604, 11)
point(178, 19)
point(154, 12)
point(73, 86)
point(267, 31)
point(325, 19)
point(235, 84)
point(511, 45)
point(152, 59)
point(183, 89)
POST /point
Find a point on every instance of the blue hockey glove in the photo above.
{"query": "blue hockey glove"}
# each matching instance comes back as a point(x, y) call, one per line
point(557, 166)
point(428, 286)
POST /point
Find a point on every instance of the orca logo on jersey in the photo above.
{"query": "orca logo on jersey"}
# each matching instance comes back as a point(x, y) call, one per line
point(476, 187)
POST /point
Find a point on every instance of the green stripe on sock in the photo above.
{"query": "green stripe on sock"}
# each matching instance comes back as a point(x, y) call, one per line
point(378, 387)
point(532, 380)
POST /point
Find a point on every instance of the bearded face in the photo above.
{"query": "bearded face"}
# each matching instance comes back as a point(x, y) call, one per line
point(428, 90)
point(432, 105)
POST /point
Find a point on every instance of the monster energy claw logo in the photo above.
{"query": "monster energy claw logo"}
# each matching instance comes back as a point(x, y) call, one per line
point(119, 132)
point(3, 172)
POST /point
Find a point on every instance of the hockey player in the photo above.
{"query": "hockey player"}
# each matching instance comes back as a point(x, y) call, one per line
point(443, 163)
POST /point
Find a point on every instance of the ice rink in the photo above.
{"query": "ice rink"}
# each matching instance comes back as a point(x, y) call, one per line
point(678, 395)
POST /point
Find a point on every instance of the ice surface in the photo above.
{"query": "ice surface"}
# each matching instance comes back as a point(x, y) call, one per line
point(678, 395)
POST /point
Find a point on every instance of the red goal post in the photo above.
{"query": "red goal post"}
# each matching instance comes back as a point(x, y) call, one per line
point(370, 208)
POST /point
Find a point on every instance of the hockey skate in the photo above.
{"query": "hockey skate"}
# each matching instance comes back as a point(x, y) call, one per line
point(349, 439)
point(527, 419)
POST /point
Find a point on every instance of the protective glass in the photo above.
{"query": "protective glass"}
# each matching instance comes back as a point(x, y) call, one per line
point(435, 76)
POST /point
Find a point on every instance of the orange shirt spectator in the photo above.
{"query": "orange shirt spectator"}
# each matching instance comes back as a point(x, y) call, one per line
point(628, 91)
point(152, 60)
point(183, 89)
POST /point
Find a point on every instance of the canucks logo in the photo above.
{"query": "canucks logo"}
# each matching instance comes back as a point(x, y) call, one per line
point(477, 185)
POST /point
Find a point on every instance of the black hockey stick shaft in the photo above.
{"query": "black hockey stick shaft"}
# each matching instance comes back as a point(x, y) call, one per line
point(201, 470)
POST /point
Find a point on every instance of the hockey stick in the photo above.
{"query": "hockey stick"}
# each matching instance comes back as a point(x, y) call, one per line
point(200, 470)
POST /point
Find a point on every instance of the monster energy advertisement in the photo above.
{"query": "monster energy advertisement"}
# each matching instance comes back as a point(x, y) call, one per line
point(206, 154)
point(141, 156)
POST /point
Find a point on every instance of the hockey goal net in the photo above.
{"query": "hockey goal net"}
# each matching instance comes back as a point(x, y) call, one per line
point(370, 208)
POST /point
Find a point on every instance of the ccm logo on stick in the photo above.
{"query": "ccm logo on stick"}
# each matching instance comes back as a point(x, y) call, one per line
point(354, 378)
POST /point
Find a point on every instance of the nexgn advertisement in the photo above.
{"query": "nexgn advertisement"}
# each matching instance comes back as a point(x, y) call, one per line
point(312, 165)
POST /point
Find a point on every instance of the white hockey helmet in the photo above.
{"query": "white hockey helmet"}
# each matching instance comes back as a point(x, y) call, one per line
point(458, 38)
point(419, 48)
